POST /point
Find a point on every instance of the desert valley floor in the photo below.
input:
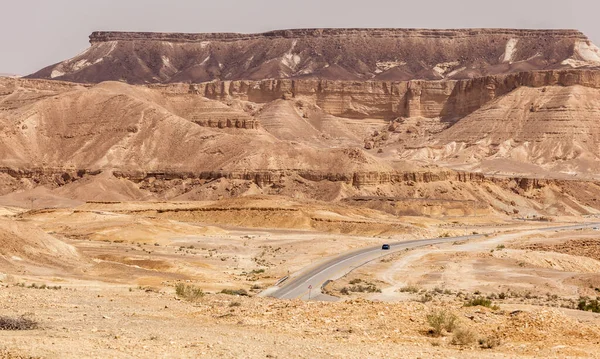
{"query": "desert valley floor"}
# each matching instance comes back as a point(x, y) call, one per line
point(231, 195)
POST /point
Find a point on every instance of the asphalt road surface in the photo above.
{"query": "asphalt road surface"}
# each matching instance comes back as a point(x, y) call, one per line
point(307, 285)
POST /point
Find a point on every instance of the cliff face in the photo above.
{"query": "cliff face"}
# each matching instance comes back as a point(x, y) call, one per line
point(332, 54)
point(450, 99)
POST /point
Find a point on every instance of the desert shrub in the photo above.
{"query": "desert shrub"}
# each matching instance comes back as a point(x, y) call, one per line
point(240, 292)
point(409, 289)
point(589, 305)
point(500, 247)
point(426, 298)
point(17, 323)
point(366, 287)
point(480, 301)
point(463, 336)
point(440, 320)
point(489, 342)
point(188, 292)
point(235, 304)
point(369, 288)
point(42, 286)
point(451, 322)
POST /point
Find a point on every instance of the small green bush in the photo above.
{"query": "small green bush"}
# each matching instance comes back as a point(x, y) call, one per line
point(480, 301)
point(589, 305)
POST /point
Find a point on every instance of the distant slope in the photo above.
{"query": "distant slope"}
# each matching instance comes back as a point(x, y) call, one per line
point(334, 54)
point(553, 127)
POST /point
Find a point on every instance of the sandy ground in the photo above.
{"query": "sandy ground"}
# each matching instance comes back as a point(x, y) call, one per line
point(115, 322)
point(509, 264)
point(117, 298)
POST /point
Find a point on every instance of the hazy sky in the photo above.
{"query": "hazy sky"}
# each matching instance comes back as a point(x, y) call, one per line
point(37, 33)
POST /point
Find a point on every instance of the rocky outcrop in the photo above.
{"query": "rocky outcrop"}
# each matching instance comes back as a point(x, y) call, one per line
point(61, 176)
point(48, 176)
point(106, 36)
point(332, 54)
point(265, 178)
point(450, 99)
point(247, 124)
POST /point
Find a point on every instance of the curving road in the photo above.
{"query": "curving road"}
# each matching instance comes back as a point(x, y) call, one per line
point(307, 285)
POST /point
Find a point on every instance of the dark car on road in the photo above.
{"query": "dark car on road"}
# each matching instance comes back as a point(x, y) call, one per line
point(385, 247)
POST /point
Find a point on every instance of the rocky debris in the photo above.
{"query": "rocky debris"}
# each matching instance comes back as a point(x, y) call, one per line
point(248, 124)
point(109, 325)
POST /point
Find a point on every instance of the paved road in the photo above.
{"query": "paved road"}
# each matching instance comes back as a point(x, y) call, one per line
point(335, 268)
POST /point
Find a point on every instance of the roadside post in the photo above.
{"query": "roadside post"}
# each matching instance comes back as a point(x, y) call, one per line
point(309, 290)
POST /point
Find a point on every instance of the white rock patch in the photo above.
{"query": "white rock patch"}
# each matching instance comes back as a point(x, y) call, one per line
point(290, 59)
point(81, 64)
point(588, 51)
point(383, 66)
point(205, 60)
point(113, 46)
point(56, 73)
point(167, 63)
point(509, 52)
point(586, 54)
point(443, 67)
point(575, 63)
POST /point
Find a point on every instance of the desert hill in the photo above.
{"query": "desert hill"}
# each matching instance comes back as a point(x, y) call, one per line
point(536, 124)
point(333, 54)
point(552, 127)
point(519, 104)
point(26, 246)
point(118, 126)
